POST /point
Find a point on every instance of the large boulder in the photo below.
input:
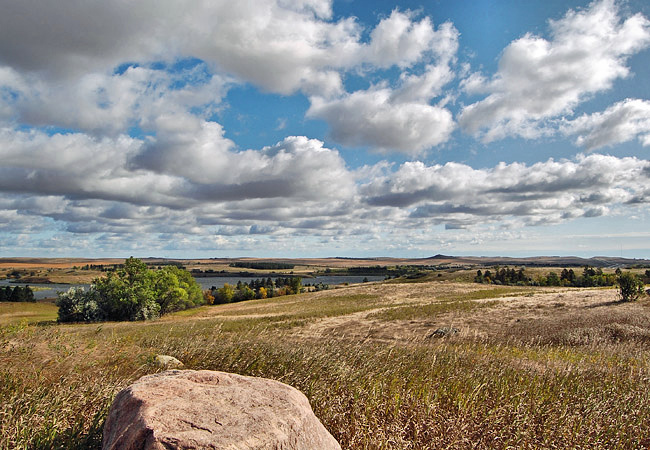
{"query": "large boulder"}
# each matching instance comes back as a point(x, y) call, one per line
point(188, 409)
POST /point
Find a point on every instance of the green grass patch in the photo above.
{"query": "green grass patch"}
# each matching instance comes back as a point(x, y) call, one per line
point(13, 313)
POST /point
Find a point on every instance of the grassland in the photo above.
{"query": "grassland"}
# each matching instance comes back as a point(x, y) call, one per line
point(529, 368)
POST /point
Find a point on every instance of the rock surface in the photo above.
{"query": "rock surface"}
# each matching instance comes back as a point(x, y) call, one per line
point(187, 409)
point(167, 362)
point(442, 332)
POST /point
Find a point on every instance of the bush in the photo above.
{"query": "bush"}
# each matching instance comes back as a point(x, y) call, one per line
point(630, 286)
point(79, 305)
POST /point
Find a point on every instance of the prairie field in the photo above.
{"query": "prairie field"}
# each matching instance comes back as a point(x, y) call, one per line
point(393, 365)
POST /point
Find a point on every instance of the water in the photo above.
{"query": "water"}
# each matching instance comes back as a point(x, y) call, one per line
point(43, 291)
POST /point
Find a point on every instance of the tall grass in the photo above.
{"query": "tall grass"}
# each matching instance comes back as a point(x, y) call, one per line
point(56, 382)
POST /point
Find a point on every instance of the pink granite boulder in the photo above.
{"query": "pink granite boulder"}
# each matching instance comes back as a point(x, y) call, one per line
point(187, 409)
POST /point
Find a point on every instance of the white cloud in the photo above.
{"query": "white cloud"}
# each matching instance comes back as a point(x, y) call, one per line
point(109, 103)
point(297, 43)
point(108, 136)
point(551, 191)
point(619, 123)
point(402, 118)
point(199, 183)
point(373, 118)
point(541, 79)
point(397, 40)
point(298, 177)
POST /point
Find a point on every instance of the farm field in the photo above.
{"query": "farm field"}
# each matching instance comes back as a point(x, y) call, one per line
point(429, 364)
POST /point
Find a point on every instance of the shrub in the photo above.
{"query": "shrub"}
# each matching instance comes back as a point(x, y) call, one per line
point(630, 286)
point(79, 305)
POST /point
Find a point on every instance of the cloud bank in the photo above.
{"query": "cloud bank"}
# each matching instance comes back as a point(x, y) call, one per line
point(111, 137)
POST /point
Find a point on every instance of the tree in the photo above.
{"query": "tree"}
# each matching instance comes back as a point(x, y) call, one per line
point(630, 286)
point(245, 293)
point(208, 297)
point(224, 294)
point(132, 292)
point(296, 285)
point(479, 277)
point(552, 279)
point(175, 290)
point(128, 293)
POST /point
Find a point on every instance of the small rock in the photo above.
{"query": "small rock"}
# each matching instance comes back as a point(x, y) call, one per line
point(188, 409)
point(168, 362)
point(442, 332)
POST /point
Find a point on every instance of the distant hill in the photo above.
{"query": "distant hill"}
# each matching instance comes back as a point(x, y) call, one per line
point(538, 261)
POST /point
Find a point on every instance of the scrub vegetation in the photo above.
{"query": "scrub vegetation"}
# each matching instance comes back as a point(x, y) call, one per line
point(530, 367)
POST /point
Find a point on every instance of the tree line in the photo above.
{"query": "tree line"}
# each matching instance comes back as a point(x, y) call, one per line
point(260, 288)
point(263, 265)
point(132, 292)
point(590, 277)
point(17, 294)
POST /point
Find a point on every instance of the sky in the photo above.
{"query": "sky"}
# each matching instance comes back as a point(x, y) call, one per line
point(315, 128)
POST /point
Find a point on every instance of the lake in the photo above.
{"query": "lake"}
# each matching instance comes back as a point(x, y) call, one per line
point(43, 291)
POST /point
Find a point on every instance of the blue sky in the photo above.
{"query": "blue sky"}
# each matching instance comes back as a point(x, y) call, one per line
point(325, 128)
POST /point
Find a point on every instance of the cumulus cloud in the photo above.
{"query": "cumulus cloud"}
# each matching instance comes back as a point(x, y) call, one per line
point(400, 118)
point(621, 122)
point(540, 79)
point(297, 187)
point(551, 191)
point(92, 185)
point(374, 118)
point(398, 40)
point(111, 179)
point(109, 104)
point(110, 135)
point(297, 43)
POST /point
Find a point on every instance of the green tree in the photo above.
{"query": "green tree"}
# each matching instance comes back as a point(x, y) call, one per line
point(225, 294)
point(132, 292)
point(244, 293)
point(296, 285)
point(128, 293)
point(630, 286)
point(552, 279)
point(175, 289)
point(21, 294)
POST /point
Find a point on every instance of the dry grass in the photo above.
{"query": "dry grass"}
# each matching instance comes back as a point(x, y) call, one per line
point(529, 369)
